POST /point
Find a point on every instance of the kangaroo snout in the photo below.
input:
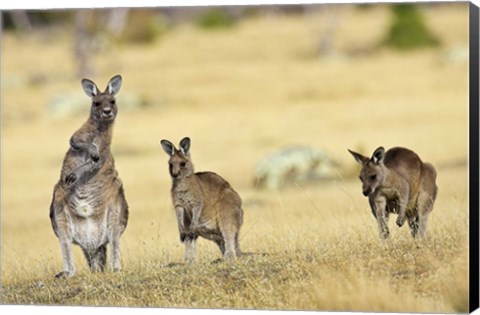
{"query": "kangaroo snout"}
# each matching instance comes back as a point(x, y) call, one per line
point(366, 192)
point(107, 112)
point(174, 170)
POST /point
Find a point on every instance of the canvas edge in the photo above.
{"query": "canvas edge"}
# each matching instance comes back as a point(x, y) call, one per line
point(474, 157)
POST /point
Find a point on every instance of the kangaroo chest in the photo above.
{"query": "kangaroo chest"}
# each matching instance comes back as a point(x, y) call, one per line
point(88, 218)
point(394, 199)
point(88, 200)
point(186, 200)
point(390, 193)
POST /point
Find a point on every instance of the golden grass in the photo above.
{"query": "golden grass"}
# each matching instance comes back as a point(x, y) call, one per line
point(241, 94)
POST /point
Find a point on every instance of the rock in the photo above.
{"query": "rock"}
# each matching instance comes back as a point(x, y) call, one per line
point(456, 54)
point(293, 165)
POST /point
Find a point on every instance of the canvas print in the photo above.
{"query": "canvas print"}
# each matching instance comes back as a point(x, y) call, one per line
point(270, 157)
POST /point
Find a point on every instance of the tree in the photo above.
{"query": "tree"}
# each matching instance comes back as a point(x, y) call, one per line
point(81, 44)
point(408, 29)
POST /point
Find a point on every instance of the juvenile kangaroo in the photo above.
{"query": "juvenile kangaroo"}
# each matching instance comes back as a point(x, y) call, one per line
point(205, 204)
point(397, 181)
point(88, 206)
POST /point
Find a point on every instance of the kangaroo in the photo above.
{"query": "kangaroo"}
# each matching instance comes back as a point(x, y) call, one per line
point(88, 206)
point(397, 181)
point(205, 204)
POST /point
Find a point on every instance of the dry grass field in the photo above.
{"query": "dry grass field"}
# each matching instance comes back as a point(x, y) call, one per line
point(241, 94)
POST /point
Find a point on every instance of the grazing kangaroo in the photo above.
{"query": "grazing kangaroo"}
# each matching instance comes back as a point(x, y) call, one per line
point(205, 204)
point(397, 181)
point(89, 207)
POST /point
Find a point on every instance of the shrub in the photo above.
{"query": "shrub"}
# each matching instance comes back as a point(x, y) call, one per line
point(408, 29)
point(144, 26)
point(215, 18)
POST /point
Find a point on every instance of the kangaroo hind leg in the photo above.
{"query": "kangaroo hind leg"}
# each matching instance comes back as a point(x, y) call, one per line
point(61, 228)
point(413, 224)
point(97, 258)
point(229, 238)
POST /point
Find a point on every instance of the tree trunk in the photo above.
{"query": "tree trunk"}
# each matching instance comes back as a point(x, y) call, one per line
point(117, 20)
point(81, 44)
point(331, 13)
point(21, 20)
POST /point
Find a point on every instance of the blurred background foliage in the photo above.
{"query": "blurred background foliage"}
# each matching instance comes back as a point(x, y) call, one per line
point(214, 19)
point(335, 32)
point(407, 27)
point(94, 34)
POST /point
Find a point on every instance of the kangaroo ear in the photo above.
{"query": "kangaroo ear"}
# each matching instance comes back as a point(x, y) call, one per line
point(378, 155)
point(361, 159)
point(114, 85)
point(168, 147)
point(89, 87)
point(185, 145)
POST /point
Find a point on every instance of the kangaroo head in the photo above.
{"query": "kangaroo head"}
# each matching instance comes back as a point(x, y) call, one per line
point(373, 171)
point(104, 107)
point(180, 164)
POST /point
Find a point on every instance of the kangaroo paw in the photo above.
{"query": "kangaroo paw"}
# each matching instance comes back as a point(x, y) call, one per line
point(63, 275)
point(188, 236)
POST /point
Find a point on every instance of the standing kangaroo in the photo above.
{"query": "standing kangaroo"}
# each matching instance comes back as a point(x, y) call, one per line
point(89, 207)
point(205, 204)
point(397, 181)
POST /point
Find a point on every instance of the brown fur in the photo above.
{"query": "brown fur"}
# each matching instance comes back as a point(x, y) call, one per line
point(205, 204)
point(88, 206)
point(397, 181)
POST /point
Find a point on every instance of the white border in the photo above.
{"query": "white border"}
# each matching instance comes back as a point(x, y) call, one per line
point(55, 4)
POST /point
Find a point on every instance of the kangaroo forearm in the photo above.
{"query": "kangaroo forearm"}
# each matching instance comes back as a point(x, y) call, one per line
point(179, 212)
point(196, 212)
point(78, 144)
point(403, 200)
point(402, 207)
point(88, 167)
point(87, 147)
point(81, 145)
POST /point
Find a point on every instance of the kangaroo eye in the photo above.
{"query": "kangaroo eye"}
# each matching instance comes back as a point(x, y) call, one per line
point(373, 177)
point(182, 164)
point(112, 102)
point(96, 103)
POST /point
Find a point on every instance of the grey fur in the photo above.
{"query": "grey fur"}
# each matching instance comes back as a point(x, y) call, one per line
point(205, 204)
point(88, 206)
point(397, 181)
